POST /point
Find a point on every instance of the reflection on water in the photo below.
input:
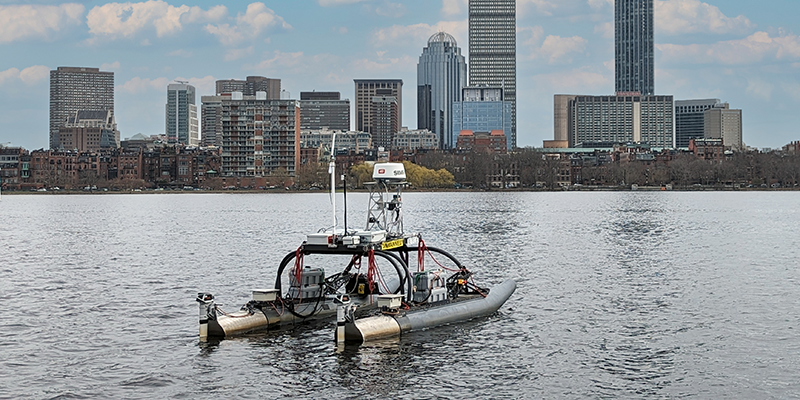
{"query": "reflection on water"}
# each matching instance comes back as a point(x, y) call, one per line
point(620, 295)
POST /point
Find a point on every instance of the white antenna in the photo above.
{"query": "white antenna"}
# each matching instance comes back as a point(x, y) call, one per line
point(332, 171)
point(183, 82)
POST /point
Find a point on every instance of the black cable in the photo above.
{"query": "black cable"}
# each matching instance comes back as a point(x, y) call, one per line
point(316, 306)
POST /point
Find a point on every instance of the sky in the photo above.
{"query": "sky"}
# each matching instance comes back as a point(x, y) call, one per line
point(743, 52)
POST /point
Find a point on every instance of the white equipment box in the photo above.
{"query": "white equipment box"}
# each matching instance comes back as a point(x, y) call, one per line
point(390, 301)
point(265, 294)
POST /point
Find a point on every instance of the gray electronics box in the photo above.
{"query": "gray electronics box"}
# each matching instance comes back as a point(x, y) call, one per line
point(311, 276)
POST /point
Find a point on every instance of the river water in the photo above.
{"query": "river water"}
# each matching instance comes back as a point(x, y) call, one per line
point(620, 295)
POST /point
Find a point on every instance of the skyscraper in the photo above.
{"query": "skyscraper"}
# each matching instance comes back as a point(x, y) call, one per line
point(633, 30)
point(441, 73)
point(379, 108)
point(493, 50)
point(74, 89)
point(181, 116)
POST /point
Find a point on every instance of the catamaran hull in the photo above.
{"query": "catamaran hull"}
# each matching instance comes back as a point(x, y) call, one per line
point(384, 326)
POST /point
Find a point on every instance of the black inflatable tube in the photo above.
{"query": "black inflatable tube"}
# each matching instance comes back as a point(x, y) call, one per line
point(393, 258)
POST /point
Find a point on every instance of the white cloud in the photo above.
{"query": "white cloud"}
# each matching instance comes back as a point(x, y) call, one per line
point(693, 16)
point(335, 3)
point(606, 29)
point(180, 53)
point(575, 81)
point(28, 76)
point(298, 67)
point(752, 49)
point(759, 88)
point(139, 85)
point(281, 60)
point(9, 74)
point(113, 66)
point(22, 22)
point(225, 33)
point(385, 64)
point(557, 49)
point(388, 9)
point(204, 85)
point(598, 4)
point(454, 7)
point(539, 7)
point(536, 34)
point(198, 15)
point(235, 54)
point(256, 20)
point(792, 88)
point(114, 20)
point(34, 74)
point(126, 20)
point(418, 34)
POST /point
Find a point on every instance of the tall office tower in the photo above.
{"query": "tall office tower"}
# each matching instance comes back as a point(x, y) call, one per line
point(73, 89)
point(319, 110)
point(259, 136)
point(379, 109)
point(251, 85)
point(211, 115)
point(181, 117)
point(493, 50)
point(484, 110)
point(690, 119)
point(721, 122)
point(441, 73)
point(633, 31)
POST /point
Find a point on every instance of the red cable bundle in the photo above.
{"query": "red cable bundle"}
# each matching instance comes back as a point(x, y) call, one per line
point(298, 269)
point(421, 255)
point(372, 271)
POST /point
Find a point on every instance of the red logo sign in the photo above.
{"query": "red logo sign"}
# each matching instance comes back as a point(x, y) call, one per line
point(381, 171)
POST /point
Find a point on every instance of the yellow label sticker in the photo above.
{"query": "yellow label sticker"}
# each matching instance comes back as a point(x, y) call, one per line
point(392, 244)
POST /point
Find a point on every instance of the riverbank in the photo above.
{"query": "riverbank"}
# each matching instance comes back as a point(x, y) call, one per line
point(421, 190)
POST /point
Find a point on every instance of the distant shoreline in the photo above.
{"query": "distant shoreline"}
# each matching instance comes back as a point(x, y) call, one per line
point(246, 191)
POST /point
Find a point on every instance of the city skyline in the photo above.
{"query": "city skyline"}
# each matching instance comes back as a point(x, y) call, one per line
point(748, 56)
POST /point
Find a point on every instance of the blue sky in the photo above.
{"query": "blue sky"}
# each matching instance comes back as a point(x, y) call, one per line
point(744, 52)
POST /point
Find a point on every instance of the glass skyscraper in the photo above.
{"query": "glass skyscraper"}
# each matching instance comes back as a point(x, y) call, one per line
point(634, 54)
point(493, 50)
point(441, 73)
point(482, 109)
point(181, 112)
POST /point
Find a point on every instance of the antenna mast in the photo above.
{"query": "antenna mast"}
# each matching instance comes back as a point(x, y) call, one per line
point(332, 171)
